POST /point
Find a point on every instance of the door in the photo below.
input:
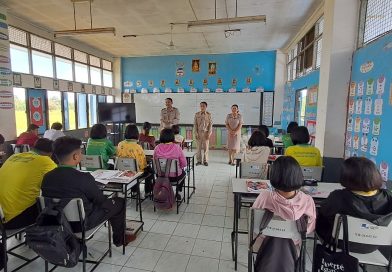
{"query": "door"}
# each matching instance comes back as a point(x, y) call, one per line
point(37, 108)
point(300, 106)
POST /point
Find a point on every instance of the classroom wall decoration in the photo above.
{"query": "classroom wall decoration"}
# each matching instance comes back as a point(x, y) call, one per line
point(369, 128)
point(237, 71)
point(310, 81)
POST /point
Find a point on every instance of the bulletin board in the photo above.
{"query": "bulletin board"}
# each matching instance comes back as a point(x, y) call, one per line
point(369, 125)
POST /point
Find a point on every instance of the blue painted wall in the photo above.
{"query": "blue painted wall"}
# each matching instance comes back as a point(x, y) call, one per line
point(307, 81)
point(369, 126)
point(259, 66)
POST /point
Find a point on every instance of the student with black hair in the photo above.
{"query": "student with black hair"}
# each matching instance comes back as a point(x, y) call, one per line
point(145, 136)
point(285, 199)
point(168, 149)
point(178, 138)
point(257, 151)
point(98, 144)
point(29, 137)
point(2, 140)
point(286, 138)
point(264, 129)
point(362, 197)
point(302, 151)
point(54, 132)
point(20, 182)
point(129, 148)
point(68, 182)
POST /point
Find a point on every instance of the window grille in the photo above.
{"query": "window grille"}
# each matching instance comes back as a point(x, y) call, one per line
point(377, 20)
point(80, 56)
point(63, 51)
point(41, 43)
point(94, 61)
point(107, 65)
point(17, 36)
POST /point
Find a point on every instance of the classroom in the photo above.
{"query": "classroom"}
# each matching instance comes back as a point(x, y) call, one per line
point(195, 135)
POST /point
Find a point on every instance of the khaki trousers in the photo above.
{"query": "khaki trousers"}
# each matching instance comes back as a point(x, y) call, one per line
point(202, 143)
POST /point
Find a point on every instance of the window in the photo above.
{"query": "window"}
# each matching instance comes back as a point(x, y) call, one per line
point(305, 56)
point(82, 110)
point(40, 43)
point(107, 79)
point(42, 64)
point(95, 75)
point(20, 110)
point(63, 51)
point(69, 111)
point(94, 61)
point(107, 65)
point(109, 99)
point(92, 106)
point(101, 99)
point(300, 106)
point(54, 106)
point(19, 59)
point(80, 56)
point(17, 35)
point(64, 69)
point(81, 73)
point(375, 21)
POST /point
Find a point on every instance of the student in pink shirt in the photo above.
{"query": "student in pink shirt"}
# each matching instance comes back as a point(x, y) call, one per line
point(168, 149)
point(285, 199)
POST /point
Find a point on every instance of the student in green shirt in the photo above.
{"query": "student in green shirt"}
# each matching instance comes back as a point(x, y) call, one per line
point(98, 144)
point(286, 139)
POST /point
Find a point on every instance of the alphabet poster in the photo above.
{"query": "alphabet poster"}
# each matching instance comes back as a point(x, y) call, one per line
point(369, 109)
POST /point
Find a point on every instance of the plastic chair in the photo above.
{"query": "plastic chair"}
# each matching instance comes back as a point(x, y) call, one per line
point(312, 172)
point(91, 162)
point(277, 227)
point(74, 212)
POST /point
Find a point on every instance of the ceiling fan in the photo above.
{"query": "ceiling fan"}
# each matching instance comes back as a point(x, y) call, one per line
point(169, 45)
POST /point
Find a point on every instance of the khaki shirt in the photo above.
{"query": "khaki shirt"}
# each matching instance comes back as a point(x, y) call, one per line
point(169, 117)
point(203, 122)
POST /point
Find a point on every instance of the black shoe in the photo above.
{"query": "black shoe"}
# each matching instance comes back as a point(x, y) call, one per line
point(205, 163)
point(198, 163)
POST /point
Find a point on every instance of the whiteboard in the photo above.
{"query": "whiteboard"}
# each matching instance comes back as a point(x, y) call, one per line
point(148, 106)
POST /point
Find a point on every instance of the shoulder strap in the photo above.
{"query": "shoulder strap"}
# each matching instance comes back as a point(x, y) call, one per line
point(168, 166)
point(302, 226)
point(345, 234)
point(267, 217)
point(158, 167)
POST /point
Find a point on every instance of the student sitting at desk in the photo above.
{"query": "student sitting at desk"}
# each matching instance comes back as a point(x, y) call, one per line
point(285, 199)
point(264, 129)
point(145, 136)
point(257, 152)
point(98, 144)
point(68, 182)
point(305, 154)
point(20, 183)
point(54, 132)
point(29, 137)
point(286, 139)
point(129, 148)
point(178, 138)
point(362, 197)
point(167, 149)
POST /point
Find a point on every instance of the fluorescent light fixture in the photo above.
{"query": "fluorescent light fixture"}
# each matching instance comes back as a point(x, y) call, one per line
point(224, 21)
point(81, 1)
point(72, 32)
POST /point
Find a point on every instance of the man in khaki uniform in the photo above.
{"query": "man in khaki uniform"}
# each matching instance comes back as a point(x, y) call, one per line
point(203, 130)
point(170, 115)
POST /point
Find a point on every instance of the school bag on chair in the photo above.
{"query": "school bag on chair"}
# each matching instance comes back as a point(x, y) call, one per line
point(280, 254)
point(52, 237)
point(163, 193)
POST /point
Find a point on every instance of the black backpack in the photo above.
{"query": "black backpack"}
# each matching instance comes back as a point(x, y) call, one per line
point(280, 254)
point(52, 237)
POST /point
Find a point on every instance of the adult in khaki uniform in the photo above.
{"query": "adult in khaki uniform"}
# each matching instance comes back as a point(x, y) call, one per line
point(203, 130)
point(170, 115)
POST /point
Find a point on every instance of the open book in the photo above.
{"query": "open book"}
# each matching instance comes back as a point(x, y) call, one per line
point(105, 176)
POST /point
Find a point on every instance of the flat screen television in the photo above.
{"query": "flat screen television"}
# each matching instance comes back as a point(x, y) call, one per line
point(116, 113)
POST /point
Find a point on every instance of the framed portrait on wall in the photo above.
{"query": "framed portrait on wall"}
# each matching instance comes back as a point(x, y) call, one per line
point(212, 68)
point(195, 65)
point(17, 78)
point(37, 82)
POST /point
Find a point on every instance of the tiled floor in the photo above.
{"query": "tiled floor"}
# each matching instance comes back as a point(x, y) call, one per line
point(196, 239)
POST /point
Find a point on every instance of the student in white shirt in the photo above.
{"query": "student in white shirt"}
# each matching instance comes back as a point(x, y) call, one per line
point(54, 132)
point(257, 152)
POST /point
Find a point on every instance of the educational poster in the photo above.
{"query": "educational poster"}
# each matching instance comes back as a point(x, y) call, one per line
point(369, 126)
point(7, 113)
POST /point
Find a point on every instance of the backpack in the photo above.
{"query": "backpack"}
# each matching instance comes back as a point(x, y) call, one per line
point(163, 193)
point(280, 254)
point(52, 237)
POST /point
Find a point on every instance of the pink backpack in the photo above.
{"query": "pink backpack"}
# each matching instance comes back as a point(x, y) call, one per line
point(163, 193)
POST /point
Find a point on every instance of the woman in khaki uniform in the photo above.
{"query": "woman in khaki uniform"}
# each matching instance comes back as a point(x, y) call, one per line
point(203, 130)
point(233, 124)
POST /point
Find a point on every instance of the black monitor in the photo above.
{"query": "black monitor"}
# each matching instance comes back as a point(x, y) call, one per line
point(116, 113)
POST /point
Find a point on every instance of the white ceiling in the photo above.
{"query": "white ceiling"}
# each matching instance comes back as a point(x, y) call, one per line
point(141, 17)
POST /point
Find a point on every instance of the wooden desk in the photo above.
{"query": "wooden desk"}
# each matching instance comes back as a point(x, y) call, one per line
point(188, 144)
